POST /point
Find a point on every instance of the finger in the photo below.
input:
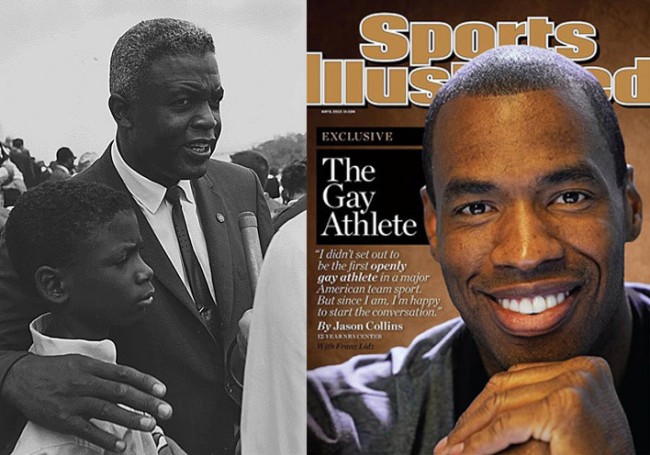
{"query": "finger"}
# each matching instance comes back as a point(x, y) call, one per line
point(580, 362)
point(518, 387)
point(112, 412)
point(125, 385)
point(530, 447)
point(127, 375)
point(534, 421)
point(519, 376)
point(482, 411)
point(525, 366)
point(116, 392)
point(86, 430)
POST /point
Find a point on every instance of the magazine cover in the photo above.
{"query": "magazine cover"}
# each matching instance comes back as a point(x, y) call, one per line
point(373, 69)
point(194, 86)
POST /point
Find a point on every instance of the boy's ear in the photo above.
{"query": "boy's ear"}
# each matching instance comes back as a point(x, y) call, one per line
point(51, 285)
point(121, 110)
point(430, 222)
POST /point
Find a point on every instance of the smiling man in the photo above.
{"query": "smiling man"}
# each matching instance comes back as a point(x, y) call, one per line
point(528, 205)
point(165, 94)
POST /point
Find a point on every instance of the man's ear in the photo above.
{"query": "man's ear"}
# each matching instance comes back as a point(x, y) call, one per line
point(51, 285)
point(633, 207)
point(430, 222)
point(121, 109)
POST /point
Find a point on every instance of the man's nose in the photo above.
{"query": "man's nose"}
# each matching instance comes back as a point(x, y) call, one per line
point(525, 239)
point(205, 118)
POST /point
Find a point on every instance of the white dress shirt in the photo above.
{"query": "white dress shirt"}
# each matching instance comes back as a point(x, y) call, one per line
point(37, 440)
point(150, 197)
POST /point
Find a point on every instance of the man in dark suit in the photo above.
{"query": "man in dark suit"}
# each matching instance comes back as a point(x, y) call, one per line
point(165, 97)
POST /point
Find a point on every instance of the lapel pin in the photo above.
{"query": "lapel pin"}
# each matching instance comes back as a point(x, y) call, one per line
point(220, 218)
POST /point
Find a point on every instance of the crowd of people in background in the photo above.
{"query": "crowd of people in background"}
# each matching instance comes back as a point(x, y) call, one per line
point(19, 170)
point(286, 195)
point(284, 189)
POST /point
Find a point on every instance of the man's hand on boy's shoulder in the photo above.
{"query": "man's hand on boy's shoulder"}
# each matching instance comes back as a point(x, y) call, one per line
point(63, 392)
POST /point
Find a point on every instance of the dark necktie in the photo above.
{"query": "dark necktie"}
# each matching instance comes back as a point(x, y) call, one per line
point(202, 297)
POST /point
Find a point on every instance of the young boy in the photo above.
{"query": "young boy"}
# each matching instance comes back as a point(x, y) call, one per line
point(77, 245)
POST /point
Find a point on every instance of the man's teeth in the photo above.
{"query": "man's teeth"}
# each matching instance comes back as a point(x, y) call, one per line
point(199, 147)
point(535, 305)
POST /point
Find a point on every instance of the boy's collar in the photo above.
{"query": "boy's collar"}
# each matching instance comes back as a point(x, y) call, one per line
point(103, 350)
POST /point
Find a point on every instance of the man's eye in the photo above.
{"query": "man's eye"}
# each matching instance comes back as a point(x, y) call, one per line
point(475, 208)
point(570, 197)
point(182, 102)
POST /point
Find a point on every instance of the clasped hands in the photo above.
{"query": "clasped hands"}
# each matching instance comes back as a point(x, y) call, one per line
point(568, 407)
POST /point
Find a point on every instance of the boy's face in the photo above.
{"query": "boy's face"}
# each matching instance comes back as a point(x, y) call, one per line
point(109, 284)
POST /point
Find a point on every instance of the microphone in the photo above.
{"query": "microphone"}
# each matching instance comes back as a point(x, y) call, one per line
point(252, 246)
point(253, 253)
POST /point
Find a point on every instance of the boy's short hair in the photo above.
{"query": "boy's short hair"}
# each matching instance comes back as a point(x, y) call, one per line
point(51, 223)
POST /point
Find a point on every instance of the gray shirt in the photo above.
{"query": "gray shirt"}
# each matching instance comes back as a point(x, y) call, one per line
point(382, 404)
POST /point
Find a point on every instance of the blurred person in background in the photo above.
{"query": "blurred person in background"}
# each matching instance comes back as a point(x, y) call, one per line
point(272, 183)
point(11, 180)
point(258, 164)
point(294, 192)
point(86, 160)
point(23, 160)
point(64, 166)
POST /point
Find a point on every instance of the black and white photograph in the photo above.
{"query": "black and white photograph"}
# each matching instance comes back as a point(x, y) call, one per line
point(150, 151)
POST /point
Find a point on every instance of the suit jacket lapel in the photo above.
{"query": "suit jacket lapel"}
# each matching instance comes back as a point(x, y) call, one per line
point(213, 216)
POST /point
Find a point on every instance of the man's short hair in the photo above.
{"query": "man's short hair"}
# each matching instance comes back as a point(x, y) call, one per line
point(52, 223)
point(253, 160)
point(510, 70)
point(64, 154)
point(147, 42)
point(294, 177)
point(18, 142)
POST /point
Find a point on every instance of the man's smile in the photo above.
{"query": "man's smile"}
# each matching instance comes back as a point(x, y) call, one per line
point(533, 305)
point(533, 309)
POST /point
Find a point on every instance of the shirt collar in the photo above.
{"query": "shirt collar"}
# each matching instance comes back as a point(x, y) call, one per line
point(146, 192)
point(103, 350)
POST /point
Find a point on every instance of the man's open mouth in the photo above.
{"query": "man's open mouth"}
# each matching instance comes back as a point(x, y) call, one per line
point(200, 147)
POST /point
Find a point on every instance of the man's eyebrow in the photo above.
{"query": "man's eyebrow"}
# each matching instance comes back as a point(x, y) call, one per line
point(460, 187)
point(192, 87)
point(578, 173)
